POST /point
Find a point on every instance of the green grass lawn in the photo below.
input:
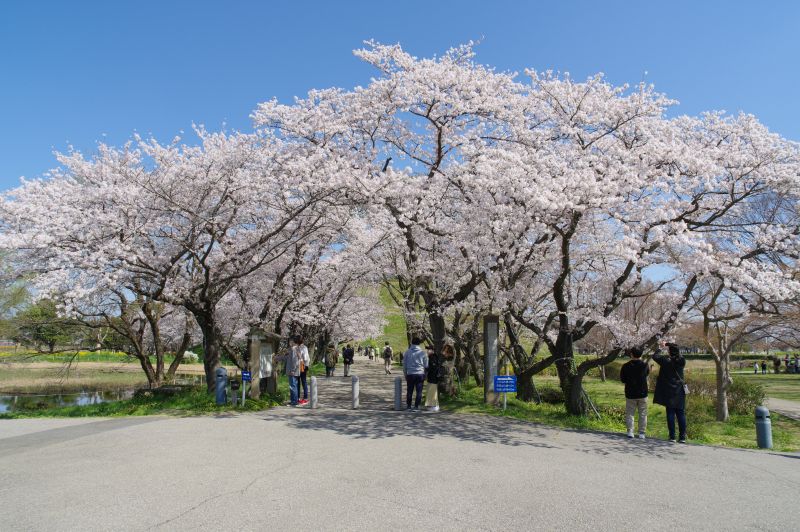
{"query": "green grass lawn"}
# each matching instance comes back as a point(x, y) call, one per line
point(610, 400)
point(781, 386)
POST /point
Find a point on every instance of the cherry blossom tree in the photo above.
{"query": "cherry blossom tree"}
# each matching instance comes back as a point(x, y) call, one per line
point(187, 222)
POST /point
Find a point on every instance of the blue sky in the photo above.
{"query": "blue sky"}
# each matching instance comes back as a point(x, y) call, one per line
point(80, 72)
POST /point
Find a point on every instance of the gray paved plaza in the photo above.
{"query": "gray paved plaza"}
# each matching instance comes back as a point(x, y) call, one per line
point(374, 469)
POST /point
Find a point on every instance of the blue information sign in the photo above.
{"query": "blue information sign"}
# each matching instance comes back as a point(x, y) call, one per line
point(505, 383)
point(247, 378)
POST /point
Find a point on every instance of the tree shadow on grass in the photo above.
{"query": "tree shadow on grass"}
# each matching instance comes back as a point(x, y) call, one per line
point(383, 424)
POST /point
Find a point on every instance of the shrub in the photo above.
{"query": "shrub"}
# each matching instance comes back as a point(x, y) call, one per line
point(699, 414)
point(744, 396)
point(613, 369)
point(701, 386)
point(553, 396)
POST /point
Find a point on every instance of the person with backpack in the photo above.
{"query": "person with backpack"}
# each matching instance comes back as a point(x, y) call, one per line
point(331, 359)
point(349, 354)
point(763, 367)
point(387, 358)
point(634, 375)
point(671, 389)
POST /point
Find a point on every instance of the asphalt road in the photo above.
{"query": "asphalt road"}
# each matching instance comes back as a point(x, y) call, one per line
point(374, 469)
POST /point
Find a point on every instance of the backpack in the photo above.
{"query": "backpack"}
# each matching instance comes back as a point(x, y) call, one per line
point(387, 352)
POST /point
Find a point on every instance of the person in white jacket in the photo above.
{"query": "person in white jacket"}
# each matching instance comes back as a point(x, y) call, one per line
point(305, 361)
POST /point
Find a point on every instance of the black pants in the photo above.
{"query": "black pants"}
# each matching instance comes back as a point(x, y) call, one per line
point(329, 371)
point(303, 382)
point(414, 382)
point(680, 413)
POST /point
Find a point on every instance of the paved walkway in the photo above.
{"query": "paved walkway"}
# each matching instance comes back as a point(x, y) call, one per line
point(376, 389)
point(782, 406)
point(375, 469)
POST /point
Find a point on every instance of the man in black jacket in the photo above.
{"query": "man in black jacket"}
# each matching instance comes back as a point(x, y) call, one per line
point(634, 375)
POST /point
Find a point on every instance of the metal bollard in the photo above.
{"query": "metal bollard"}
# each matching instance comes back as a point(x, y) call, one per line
point(763, 428)
point(398, 393)
point(355, 392)
point(314, 397)
point(221, 385)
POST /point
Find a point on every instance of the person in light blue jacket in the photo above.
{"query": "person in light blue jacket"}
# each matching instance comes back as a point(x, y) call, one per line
point(415, 362)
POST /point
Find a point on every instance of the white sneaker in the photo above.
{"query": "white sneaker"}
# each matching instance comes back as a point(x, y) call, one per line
point(433, 409)
point(641, 436)
point(630, 434)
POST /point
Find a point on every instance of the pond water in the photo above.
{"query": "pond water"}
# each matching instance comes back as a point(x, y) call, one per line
point(24, 401)
point(12, 403)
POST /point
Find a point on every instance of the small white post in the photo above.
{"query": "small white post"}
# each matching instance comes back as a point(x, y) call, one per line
point(355, 392)
point(314, 396)
point(398, 393)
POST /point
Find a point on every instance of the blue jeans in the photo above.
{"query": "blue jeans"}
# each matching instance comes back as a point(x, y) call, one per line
point(681, 414)
point(293, 390)
point(414, 382)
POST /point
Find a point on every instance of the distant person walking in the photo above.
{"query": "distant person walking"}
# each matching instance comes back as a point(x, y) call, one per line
point(387, 358)
point(349, 355)
point(305, 360)
point(634, 375)
point(415, 362)
point(755, 368)
point(331, 359)
point(763, 367)
point(670, 390)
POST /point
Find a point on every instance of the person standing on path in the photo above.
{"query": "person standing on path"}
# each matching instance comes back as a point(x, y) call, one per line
point(434, 373)
point(670, 390)
point(755, 368)
point(349, 354)
point(387, 358)
point(763, 367)
point(293, 372)
point(634, 375)
point(305, 360)
point(415, 362)
point(331, 358)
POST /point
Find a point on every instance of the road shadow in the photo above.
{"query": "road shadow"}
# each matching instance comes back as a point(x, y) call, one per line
point(377, 425)
point(384, 424)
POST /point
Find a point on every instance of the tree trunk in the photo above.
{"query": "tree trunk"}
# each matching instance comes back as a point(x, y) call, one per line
point(723, 383)
point(525, 388)
point(152, 378)
point(569, 380)
point(575, 401)
point(474, 360)
point(211, 349)
point(173, 367)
